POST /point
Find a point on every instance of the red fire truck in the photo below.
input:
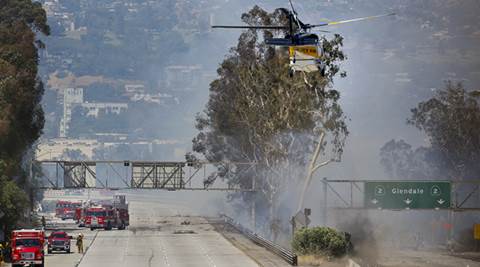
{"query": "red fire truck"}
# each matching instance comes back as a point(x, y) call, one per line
point(95, 217)
point(79, 216)
point(66, 209)
point(108, 216)
point(80, 212)
point(27, 247)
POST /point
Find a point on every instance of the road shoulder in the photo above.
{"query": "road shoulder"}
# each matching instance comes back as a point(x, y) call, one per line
point(259, 254)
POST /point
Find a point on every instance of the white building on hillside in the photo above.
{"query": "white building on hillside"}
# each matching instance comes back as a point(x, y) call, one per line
point(73, 97)
point(183, 78)
point(93, 109)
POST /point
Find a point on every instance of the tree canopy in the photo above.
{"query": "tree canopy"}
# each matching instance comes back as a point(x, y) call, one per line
point(21, 119)
point(21, 115)
point(13, 202)
point(259, 115)
point(451, 122)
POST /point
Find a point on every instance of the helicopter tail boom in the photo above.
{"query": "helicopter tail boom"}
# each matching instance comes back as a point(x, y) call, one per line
point(249, 27)
point(349, 20)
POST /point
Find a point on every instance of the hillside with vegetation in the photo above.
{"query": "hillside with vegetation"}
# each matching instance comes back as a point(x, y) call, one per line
point(103, 45)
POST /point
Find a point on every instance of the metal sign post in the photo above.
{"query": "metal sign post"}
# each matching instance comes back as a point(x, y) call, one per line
point(300, 220)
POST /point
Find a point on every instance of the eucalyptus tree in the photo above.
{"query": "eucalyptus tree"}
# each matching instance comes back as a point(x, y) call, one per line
point(451, 121)
point(263, 127)
point(21, 114)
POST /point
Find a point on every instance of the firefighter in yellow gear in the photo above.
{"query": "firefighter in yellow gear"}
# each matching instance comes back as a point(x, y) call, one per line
point(2, 251)
point(80, 243)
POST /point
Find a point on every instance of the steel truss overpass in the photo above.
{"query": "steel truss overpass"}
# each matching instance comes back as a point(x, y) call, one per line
point(116, 175)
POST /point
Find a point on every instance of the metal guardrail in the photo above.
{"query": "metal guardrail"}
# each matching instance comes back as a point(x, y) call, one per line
point(284, 253)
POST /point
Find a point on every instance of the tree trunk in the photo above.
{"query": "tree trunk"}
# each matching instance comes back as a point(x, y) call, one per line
point(253, 214)
point(271, 217)
point(311, 169)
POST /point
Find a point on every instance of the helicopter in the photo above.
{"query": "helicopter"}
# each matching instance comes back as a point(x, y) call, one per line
point(304, 47)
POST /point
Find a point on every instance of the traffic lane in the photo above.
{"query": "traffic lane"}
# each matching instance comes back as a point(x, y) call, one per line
point(61, 259)
point(193, 203)
point(184, 247)
point(159, 236)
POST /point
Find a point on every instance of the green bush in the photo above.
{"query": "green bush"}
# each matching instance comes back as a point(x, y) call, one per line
point(320, 241)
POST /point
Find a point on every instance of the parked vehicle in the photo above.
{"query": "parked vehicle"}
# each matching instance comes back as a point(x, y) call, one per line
point(59, 241)
point(95, 217)
point(66, 209)
point(27, 247)
point(108, 216)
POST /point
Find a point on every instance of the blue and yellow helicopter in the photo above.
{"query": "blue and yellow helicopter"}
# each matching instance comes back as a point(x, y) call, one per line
point(305, 48)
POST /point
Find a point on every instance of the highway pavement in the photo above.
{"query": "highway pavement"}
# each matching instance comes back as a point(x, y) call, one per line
point(61, 259)
point(160, 236)
point(167, 230)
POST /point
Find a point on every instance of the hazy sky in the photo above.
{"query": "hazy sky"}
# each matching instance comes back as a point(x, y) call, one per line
point(393, 63)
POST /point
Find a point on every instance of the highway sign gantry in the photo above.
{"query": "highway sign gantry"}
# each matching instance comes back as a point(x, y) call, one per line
point(407, 194)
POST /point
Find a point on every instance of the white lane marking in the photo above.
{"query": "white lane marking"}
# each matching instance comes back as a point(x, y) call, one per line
point(204, 251)
point(164, 252)
point(126, 246)
point(86, 249)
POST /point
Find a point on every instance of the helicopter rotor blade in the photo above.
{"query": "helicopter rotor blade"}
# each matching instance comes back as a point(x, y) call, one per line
point(349, 20)
point(295, 17)
point(293, 9)
point(249, 27)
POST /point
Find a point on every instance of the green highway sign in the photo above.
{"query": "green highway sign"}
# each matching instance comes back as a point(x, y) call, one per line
point(407, 195)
